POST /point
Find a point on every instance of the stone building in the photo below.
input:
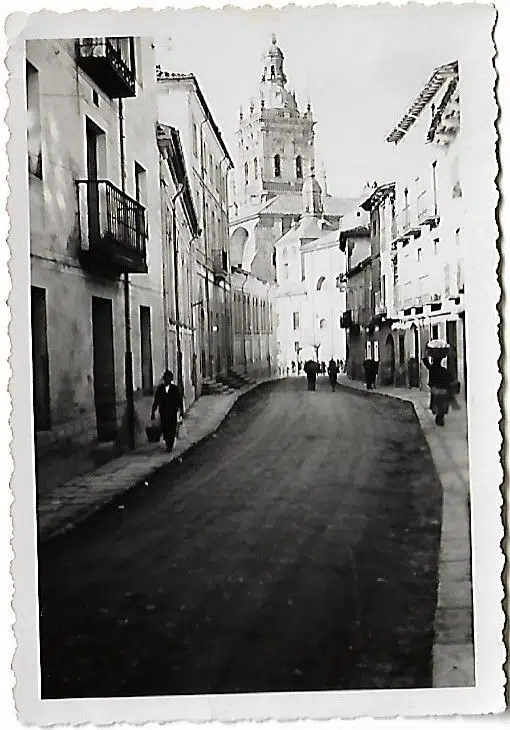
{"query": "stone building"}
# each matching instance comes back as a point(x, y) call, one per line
point(182, 104)
point(95, 239)
point(275, 154)
point(310, 299)
point(416, 222)
point(180, 231)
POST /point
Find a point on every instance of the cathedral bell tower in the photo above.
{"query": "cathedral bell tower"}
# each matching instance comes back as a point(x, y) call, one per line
point(275, 139)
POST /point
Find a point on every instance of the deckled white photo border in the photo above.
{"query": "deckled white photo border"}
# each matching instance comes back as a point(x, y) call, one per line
point(484, 436)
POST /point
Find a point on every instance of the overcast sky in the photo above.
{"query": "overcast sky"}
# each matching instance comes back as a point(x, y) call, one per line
point(360, 66)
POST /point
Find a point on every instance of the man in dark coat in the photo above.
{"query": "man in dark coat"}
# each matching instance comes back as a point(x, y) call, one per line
point(371, 368)
point(168, 400)
point(311, 369)
point(333, 374)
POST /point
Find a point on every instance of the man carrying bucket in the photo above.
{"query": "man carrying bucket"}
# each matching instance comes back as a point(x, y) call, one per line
point(441, 382)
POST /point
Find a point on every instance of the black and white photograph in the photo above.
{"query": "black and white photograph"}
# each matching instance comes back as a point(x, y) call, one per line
point(255, 363)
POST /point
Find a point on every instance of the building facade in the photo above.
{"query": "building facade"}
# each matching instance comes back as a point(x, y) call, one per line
point(181, 104)
point(180, 231)
point(95, 239)
point(416, 222)
point(254, 328)
point(275, 155)
point(310, 298)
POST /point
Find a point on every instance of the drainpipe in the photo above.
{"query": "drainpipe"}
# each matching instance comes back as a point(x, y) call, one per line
point(180, 383)
point(206, 248)
point(192, 305)
point(228, 306)
point(128, 356)
point(164, 255)
point(244, 323)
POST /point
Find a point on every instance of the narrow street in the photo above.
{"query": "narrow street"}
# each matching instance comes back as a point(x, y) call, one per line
point(296, 549)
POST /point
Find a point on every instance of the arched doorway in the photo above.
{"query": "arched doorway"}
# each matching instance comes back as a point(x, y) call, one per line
point(389, 358)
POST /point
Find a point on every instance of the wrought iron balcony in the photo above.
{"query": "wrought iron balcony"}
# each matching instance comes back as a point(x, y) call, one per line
point(113, 233)
point(110, 63)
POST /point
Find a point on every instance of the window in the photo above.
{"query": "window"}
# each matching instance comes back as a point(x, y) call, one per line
point(376, 350)
point(299, 167)
point(295, 320)
point(323, 324)
point(285, 254)
point(33, 122)
point(369, 350)
point(211, 167)
point(457, 237)
point(246, 173)
point(303, 269)
point(418, 254)
point(140, 184)
point(195, 139)
point(435, 331)
point(255, 168)
point(436, 246)
point(204, 160)
point(272, 72)
point(320, 283)
point(277, 166)
point(146, 350)
point(285, 271)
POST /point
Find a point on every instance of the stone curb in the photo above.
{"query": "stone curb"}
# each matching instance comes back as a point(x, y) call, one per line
point(83, 509)
point(452, 652)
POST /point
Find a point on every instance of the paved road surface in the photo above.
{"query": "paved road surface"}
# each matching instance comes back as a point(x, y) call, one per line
point(296, 550)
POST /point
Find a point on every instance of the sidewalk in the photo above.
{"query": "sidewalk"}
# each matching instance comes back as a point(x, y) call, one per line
point(453, 645)
point(69, 503)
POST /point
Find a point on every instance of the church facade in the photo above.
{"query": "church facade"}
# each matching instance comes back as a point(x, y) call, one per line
point(275, 160)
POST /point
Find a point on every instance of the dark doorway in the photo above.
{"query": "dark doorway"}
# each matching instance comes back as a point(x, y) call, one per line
point(104, 369)
point(451, 338)
point(401, 349)
point(93, 132)
point(40, 360)
point(390, 359)
point(146, 350)
point(414, 362)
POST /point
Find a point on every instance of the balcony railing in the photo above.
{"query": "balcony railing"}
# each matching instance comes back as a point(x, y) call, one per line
point(110, 63)
point(113, 233)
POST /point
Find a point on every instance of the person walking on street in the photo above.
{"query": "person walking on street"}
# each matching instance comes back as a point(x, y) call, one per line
point(168, 401)
point(441, 382)
point(333, 374)
point(311, 369)
point(371, 368)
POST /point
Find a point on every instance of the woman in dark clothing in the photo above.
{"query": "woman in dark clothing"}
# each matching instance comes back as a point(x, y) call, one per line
point(168, 400)
point(332, 373)
point(440, 384)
